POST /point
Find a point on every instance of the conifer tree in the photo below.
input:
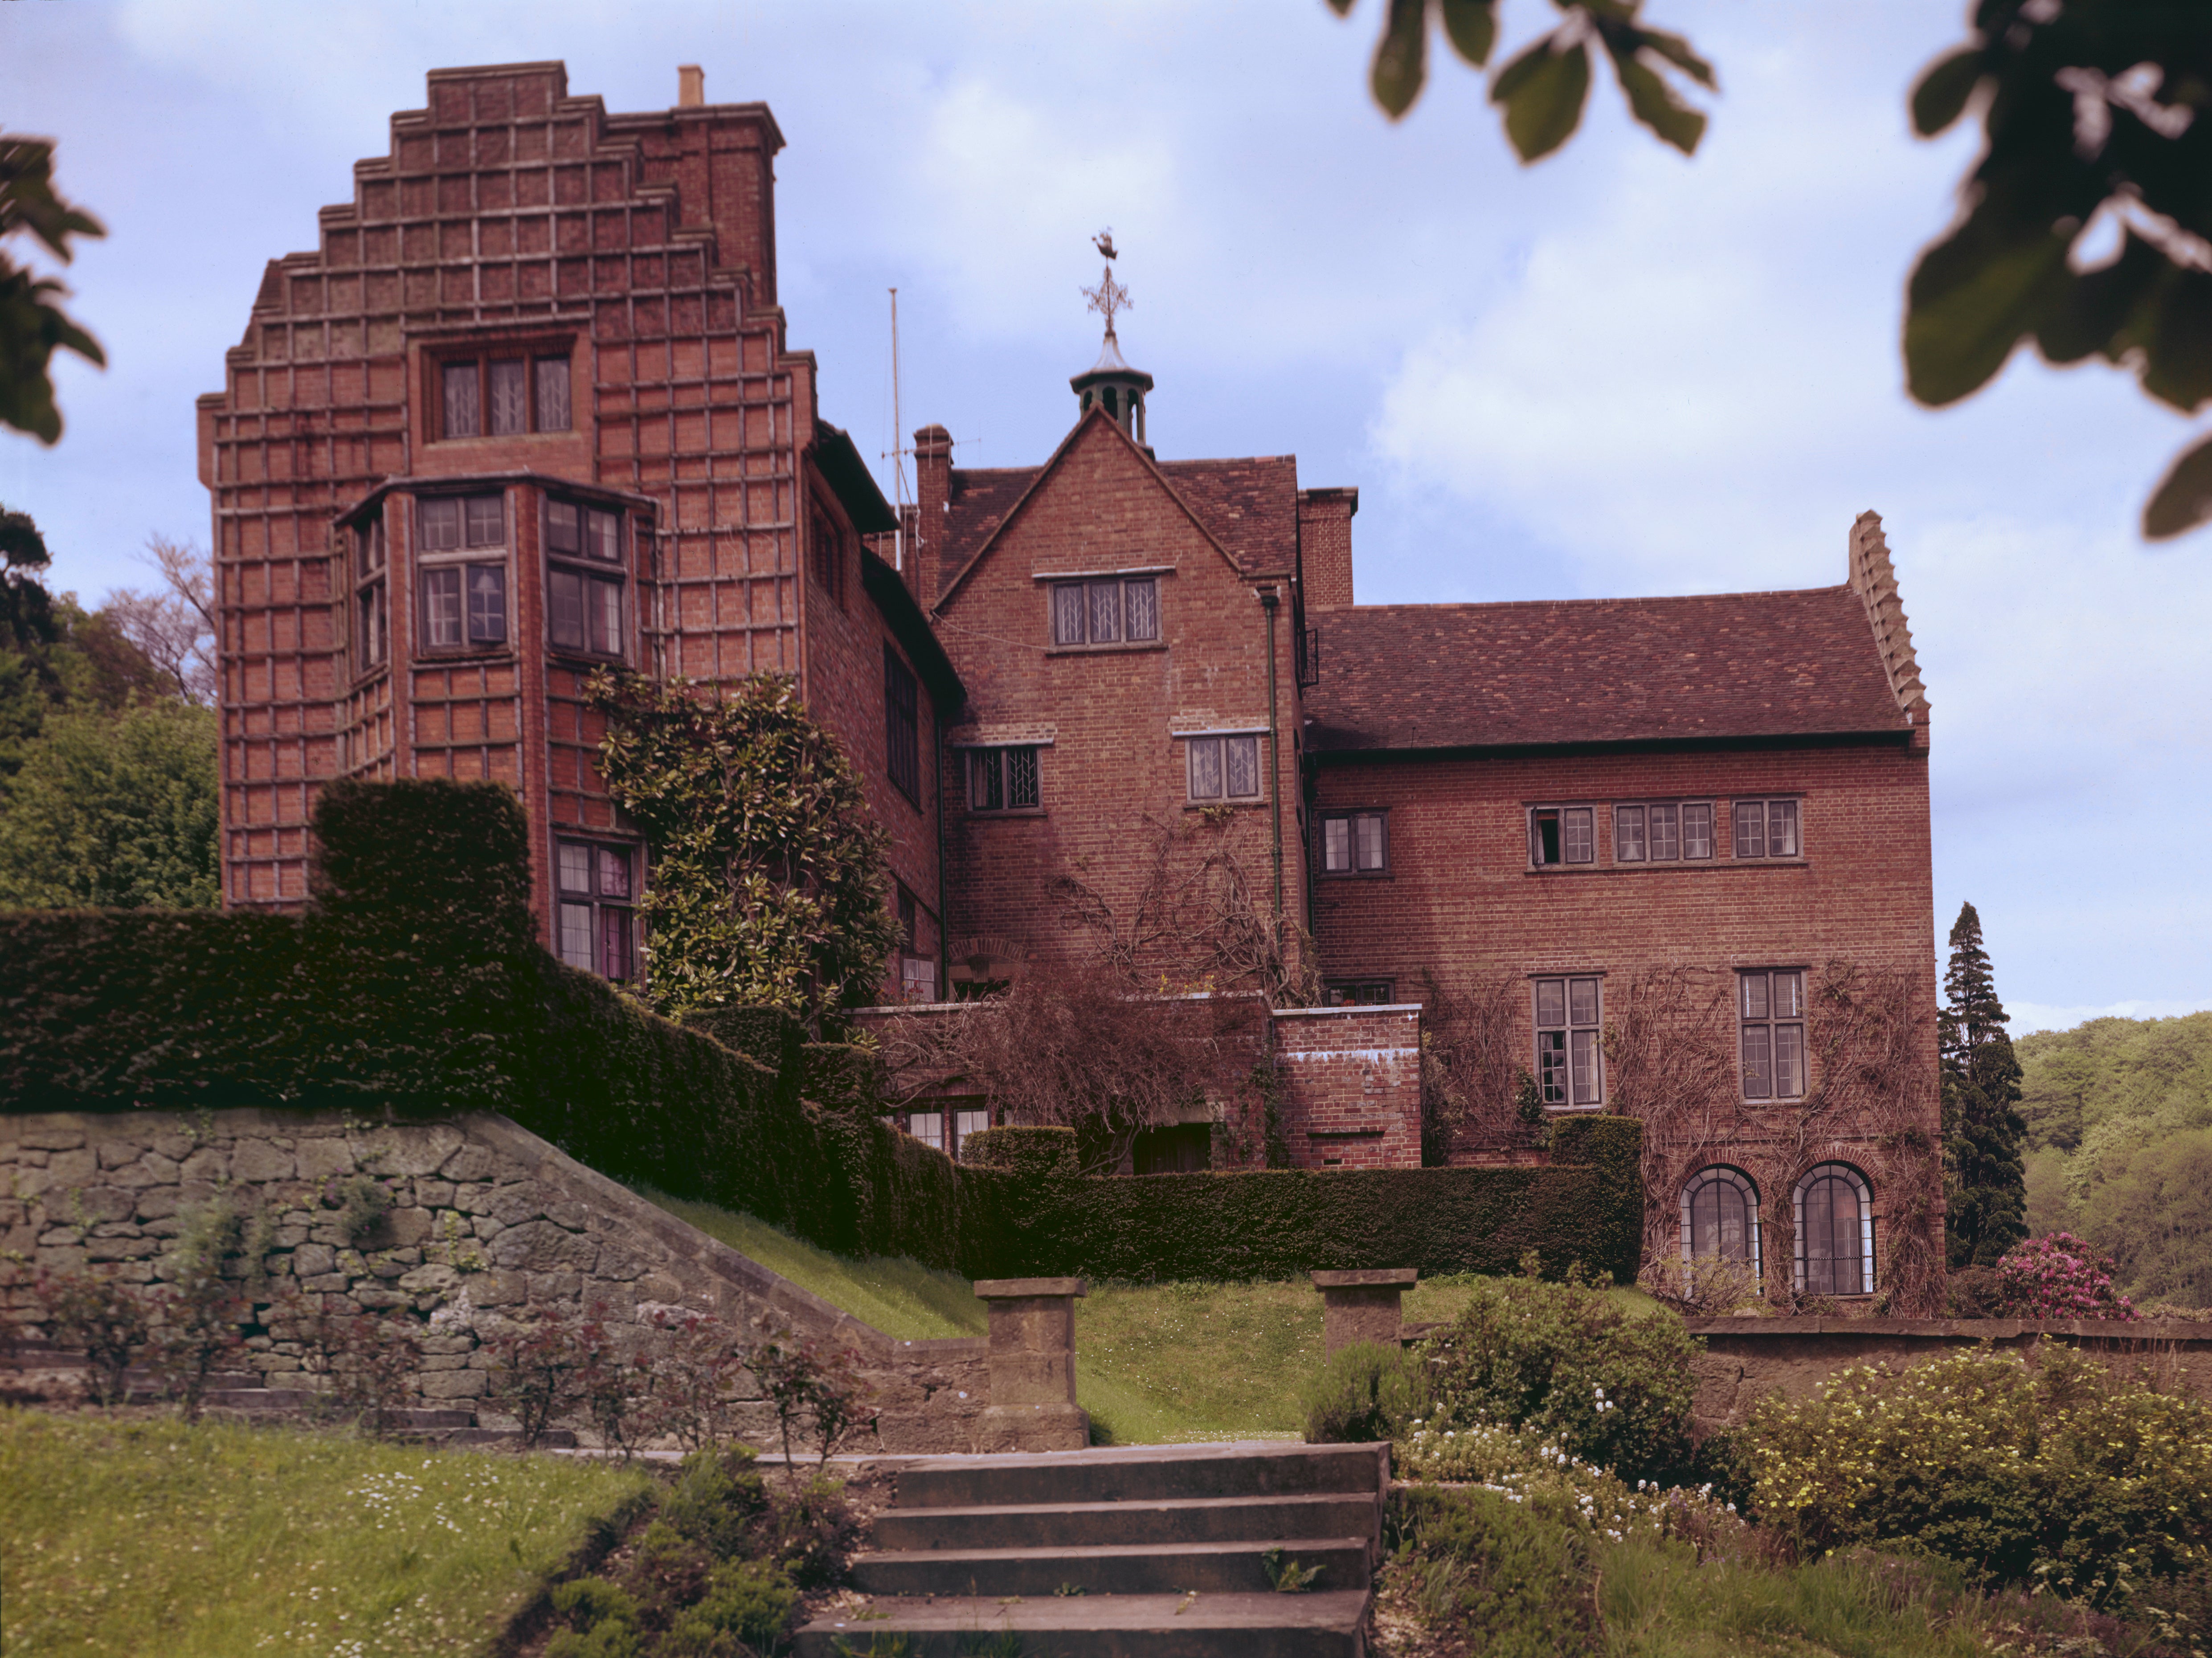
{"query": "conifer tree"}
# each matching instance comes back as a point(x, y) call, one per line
point(1985, 1183)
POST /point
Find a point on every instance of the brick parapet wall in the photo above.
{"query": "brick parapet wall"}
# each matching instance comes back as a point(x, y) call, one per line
point(1350, 1080)
point(485, 1220)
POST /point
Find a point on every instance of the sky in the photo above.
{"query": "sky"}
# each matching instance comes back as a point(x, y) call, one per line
point(1618, 372)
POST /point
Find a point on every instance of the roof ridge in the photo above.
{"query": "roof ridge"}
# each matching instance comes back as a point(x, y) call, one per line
point(1628, 598)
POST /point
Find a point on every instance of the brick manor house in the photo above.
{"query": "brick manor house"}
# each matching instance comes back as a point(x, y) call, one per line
point(528, 408)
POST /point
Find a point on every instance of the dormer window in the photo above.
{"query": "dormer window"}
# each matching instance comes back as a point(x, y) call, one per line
point(1115, 611)
point(501, 396)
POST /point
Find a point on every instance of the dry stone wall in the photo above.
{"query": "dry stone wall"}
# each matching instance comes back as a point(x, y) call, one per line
point(463, 1225)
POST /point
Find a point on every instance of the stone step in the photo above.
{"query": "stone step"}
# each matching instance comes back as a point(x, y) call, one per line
point(1317, 1626)
point(1144, 1473)
point(1097, 1525)
point(1123, 1568)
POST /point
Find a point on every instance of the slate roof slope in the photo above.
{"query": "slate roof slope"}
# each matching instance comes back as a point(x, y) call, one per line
point(1250, 505)
point(1722, 666)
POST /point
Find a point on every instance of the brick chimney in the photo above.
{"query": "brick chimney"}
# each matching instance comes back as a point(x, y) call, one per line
point(933, 488)
point(1325, 547)
point(690, 86)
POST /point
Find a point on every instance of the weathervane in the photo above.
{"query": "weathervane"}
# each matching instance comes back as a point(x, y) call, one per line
point(1109, 296)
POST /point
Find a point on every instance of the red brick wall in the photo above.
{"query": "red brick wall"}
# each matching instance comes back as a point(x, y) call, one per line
point(1325, 546)
point(1351, 1086)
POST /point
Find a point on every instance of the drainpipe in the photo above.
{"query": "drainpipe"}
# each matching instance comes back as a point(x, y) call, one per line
point(1270, 597)
point(944, 921)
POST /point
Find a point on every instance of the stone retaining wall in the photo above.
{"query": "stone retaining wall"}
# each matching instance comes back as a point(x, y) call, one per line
point(1745, 1357)
point(479, 1219)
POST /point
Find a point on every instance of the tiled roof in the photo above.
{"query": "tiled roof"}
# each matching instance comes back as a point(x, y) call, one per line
point(1597, 670)
point(1250, 505)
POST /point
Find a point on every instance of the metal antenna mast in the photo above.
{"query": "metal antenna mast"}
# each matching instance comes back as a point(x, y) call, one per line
point(899, 450)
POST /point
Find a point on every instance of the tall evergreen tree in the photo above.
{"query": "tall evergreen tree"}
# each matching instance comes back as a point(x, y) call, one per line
point(1984, 1181)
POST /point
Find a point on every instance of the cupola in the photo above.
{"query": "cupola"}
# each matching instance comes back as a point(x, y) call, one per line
point(1110, 381)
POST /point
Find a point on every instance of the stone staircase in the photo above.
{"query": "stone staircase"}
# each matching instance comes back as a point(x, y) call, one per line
point(1136, 1551)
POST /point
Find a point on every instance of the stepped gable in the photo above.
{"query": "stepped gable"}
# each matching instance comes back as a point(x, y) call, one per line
point(1250, 505)
point(1722, 666)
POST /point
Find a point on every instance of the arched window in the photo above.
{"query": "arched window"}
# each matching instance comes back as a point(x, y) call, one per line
point(1835, 1232)
point(1720, 1217)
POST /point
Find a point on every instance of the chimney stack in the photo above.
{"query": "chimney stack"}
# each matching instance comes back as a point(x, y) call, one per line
point(1325, 547)
point(933, 490)
point(690, 86)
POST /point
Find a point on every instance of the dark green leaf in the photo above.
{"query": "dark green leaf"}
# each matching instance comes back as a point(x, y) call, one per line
point(1342, 8)
point(1941, 95)
point(1653, 104)
point(2177, 340)
point(1971, 297)
point(2183, 499)
point(1677, 51)
point(1542, 93)
point(2096, 311)
point(1399, 58)
point(1472, 28)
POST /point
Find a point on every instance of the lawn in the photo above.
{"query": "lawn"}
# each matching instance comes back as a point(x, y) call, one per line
point(1156, 1363)
point(218, 1540)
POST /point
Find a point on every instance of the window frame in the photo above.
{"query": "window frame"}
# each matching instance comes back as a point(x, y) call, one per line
point(1746, 1187)
point(828, 553)
point(590, 571)
point(1352, 993)
point(370, 632)
point(902, 727)
point(1091, 590)
point(598, 905)
point(533, 359)
point(1353, 869)
point(1218, 744)
point(977, 770)
point(1869, 1275)
point(1774, 810)
point(465, 557)
point(1574, 1059)
point(1771, 1023)
point(1646, 816)
point(1565, 818)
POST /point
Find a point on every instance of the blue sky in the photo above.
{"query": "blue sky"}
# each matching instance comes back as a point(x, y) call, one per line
point(1618, 371)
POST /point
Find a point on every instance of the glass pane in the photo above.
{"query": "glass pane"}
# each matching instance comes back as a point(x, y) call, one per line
point(1206, 769)
point(1788, 1061)
point(486, 521)
point(1551, 1066)
point(576, 935)
point(1336, 844)
point(1105, 611)
point(442, 607)
point(563, 531)
point(1021, 777)
point(603, 536)
point(1585, 1052)
point(1697, 831)
point(1758, 1078)
point(1789, 995)
point(576, 866)
point(614, 944)
point(510, 397)
point(1628, 835)
point(1544, 838)
point(1754, 996)
point(614, 872)
point(1782, 829)
point(1580, 824)
point(460, 388)
point(1242, 754)
point(1142, 602)
point(487, 604)
point(1067, 613)
point(552, 394)
point(1550, 1002)
point(1371, 840)
point(564, 595)
point(986, 785)
point(605, 619)
point(928, 1127)
point(1751, 828)
point(1582, 1001)
point(1666, 835)
point(442, 525)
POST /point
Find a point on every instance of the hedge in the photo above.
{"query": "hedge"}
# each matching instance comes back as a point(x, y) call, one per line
point(413, 984)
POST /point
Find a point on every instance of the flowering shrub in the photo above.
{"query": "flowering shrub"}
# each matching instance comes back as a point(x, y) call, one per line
point(1570, 1363)
point(2059, 1276)
point(1365, 1393)
point(2071, 1479)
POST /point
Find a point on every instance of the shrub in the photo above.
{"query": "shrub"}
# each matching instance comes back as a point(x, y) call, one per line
point(534, 1369)
point(601, 1620)
point(614, 1385)
point(2068, 1478)
point(2060, 1276)
point(813, 1382)
point(1031, 1153)
point(748, 1601)
point(698, 1359)
point(1479, 1563)
point(1565, 1361)
point(1364, 1394)
point(1703, 1286)
point(1975, 1293)
point(99, 1312)
point(719, 1502)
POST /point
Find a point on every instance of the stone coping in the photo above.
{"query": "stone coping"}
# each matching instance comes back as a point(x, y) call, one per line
point(1367, 1275)
point(1015, 1288)
point(1952, 1329)
point(1343, 1009)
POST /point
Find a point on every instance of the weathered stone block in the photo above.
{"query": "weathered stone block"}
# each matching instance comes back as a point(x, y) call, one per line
point(38, 1136)
point(455, 1384)
point(313, 1260)
point(69, 1168)
point(421, 1151)
point(404, 1229)
point(434, 1193)
point(261, 1160)
point(470, 1162)
point(113, 1154)
point(322, 1158)
point(209, 1164)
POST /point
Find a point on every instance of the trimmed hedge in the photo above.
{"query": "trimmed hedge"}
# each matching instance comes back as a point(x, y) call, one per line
point(422, 990)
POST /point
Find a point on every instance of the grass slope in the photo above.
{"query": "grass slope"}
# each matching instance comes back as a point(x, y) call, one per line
point(1156, 1363)
point(136, 1537)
